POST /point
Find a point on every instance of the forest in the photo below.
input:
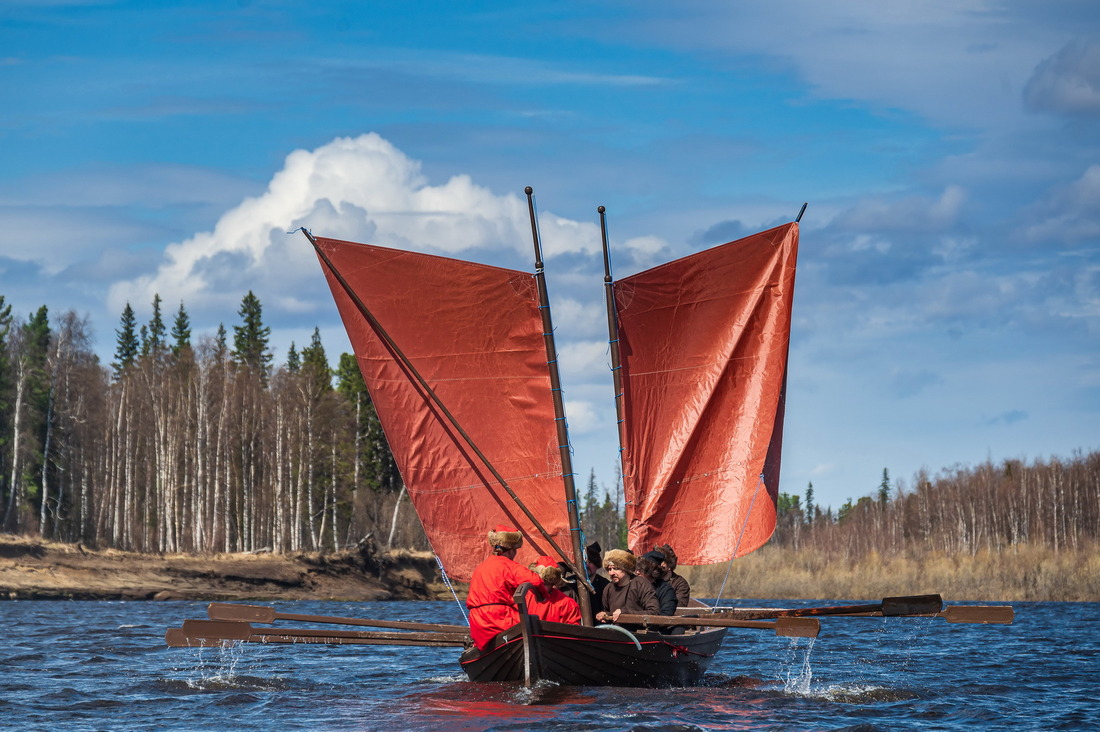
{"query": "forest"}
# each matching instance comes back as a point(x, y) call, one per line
point(205, 445)
point(199, 445)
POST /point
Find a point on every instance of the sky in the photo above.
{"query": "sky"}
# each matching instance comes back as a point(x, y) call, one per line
point(947, 306)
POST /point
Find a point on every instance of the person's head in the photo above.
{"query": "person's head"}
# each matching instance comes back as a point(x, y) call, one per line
point(620, 565)
point(592, 557)
point(650, 566)
point(670, 558)
point(505, 541)
point(549, 570)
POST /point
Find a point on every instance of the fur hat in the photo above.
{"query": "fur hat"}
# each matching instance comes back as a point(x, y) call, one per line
point(621, 559)
point(505, 537)
point(549, 570)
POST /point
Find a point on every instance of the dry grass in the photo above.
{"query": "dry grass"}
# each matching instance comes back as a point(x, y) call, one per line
point(1021, 573)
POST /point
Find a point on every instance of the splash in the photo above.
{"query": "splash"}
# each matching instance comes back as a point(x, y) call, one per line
point(798, 671)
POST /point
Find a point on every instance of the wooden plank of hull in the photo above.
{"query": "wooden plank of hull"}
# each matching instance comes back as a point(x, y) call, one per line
point(579, 656)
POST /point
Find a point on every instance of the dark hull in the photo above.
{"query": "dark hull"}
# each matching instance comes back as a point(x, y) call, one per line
point(579, 656)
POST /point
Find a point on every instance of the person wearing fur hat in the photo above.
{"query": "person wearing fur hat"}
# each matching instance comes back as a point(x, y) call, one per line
point(557, 607)
point(490, 599)
point(683, 590)
point(627, 593)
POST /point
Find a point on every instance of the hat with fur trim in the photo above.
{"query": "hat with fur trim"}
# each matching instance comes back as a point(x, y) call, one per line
point(546, 561)
point(620, 559)
point(505, 537)
point(550, 573)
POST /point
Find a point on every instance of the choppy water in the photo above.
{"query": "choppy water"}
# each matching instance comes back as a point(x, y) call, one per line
point(104, 666)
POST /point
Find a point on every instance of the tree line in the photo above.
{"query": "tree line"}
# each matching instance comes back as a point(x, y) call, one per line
point(1052, 503)
point(199, 445)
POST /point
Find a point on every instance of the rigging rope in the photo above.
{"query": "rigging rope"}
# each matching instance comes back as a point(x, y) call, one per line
point(737, 546)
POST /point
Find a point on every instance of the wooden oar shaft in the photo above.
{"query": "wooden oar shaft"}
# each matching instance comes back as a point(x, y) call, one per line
point(797, 627)
point(236, 631)
point(263, 614)
point(178, 638)
point(890, 606)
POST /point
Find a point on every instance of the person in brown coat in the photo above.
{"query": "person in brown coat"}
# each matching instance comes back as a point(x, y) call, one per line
point(627, 593)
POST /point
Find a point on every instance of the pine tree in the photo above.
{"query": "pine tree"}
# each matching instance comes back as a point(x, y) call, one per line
point(128, 347)
point(221, 350)
point(181, 331)
point(250, 339)
point(155, 343)
point(884, 488)
point(315, 364)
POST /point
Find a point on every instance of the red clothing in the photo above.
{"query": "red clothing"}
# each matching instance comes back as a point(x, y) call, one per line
point(557, 608)
point(492, 608)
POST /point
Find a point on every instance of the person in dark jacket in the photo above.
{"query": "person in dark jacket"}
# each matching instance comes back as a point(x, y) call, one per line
point(649, 566)
point(683, 590)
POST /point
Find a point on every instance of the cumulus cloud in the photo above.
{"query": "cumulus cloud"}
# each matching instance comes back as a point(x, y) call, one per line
point(362, 189)
point(1067, 83)
point(1070, 214)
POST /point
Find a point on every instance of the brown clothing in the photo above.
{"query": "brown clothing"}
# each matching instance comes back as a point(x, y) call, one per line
point(635, 597)
point(683, 591)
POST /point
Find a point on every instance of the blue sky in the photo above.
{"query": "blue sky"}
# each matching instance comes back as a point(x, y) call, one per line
point(948, 296)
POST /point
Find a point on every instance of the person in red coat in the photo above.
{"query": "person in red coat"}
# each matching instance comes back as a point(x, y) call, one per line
point(557, 607)
point(492, 607)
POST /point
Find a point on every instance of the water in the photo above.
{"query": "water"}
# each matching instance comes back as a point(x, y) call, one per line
point(104, 666)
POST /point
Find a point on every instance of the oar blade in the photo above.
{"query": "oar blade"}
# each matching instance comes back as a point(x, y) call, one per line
point(240, 613)
point(797, 627)
point(982, 614)
point(222, 630)
point(178, 638)
point(911, 605)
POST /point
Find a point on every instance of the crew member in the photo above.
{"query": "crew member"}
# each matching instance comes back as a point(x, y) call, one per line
point(649, 566)
point(683, 590)
point(596, 575)
point(627, 593)
point(557, 607)
point(490, 599)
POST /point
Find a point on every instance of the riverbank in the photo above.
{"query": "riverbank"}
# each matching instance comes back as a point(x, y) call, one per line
point(31, 569)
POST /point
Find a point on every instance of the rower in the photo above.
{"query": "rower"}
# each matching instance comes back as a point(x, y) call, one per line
point(557, 607)
point(627, 593)
point(490, 599)
point(683, 590)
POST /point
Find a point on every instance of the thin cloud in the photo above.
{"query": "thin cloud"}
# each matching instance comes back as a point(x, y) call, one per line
point(1067, 83)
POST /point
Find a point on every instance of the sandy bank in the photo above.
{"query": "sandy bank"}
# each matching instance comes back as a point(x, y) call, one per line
point(31, 569)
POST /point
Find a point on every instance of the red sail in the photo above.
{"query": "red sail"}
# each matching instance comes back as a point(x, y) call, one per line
point(474, 334)
point(704, 345)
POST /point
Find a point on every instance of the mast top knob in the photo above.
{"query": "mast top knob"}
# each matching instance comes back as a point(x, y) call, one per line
point(600, 209)
point(528, 190)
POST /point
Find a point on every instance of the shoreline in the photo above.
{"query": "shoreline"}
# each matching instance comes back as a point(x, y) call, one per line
point(33, 569)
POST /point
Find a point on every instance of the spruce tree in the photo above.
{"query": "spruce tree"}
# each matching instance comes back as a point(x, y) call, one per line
point(315, 364)
point(221, 350)
point(181, 331)
point(293, 360)
point(376, 459)
point(884, 488)
point(127, 345)
point(156, 334)
point(810, 508)
point(250, 338)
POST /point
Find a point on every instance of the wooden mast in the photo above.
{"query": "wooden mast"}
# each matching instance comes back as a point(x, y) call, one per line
point(613, 338)
point(583, 598)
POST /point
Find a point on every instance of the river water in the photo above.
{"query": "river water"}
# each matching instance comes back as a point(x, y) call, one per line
point(104, 666)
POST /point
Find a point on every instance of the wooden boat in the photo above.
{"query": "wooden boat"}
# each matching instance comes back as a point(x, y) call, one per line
point(460, 361)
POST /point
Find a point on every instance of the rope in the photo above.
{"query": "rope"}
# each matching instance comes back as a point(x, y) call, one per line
point(737, 546)
point(447, 581)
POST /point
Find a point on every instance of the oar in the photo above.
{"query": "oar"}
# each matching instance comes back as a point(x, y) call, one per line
point(984, 614)
point(262, 614)
point(889, 607)
point(177, 638)
point(228, 631)
point(789, 627)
